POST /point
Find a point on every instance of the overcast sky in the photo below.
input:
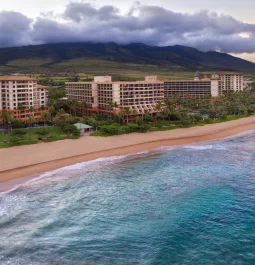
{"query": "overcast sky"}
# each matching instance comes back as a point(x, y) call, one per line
point(222, 25)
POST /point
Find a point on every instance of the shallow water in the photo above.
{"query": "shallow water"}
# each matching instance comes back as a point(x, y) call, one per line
point(191, 205)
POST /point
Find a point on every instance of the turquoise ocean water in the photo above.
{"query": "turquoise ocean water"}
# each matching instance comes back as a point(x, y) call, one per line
point(192, 205)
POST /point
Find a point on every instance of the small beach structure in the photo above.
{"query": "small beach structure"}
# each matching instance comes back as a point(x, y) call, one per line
point(83, 127)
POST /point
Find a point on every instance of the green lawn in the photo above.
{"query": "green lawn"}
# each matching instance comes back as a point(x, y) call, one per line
point(32, 138)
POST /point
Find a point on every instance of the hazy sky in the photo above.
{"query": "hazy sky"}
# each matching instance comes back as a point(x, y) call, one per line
point(227, 26)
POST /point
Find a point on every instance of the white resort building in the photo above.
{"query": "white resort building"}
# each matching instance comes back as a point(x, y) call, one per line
point(139, 96)
point(143, 96)
point(21, 92)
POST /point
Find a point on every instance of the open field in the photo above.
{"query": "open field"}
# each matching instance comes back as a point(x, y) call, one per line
point(87, 68)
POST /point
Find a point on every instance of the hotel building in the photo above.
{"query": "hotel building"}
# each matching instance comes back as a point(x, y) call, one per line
point(186, 89)
point(142, 96)
point(139, 96)
point(21, 91)
point(227, 81)
point(204, 85)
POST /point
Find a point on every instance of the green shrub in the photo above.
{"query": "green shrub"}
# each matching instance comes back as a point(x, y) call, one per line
point(112, 129)
point(131, 128)
point(14, 140)
point(138, 120)
point(148, 117)
point(19, 132)
point(71, 129)
point(136, 128)
point(158, 125)
point(223, 117)
point(144, 128)
point(43, 131)
point(196, 117)
point(208, 121)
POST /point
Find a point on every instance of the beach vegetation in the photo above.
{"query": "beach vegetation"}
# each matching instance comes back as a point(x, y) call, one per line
point(31, 135)
point(62, 119)
point(14, 140)
point(71, 130)
point(177, 113)
point(113, 129)
point(6, 120)
point(117, 129)
point(19, 132)
point(17, 123)
point(43, 131)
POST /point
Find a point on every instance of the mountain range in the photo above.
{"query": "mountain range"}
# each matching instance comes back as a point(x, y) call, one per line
point(182, 57)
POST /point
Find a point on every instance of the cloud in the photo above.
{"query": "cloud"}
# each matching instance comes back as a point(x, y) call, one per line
point(153, 25)
point(14, 29)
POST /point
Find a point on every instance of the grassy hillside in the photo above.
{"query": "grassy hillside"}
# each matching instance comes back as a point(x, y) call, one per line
point(65, 56)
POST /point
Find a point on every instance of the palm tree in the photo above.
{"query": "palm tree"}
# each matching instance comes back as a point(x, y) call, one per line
point(46, 117)
point(61, 112)
point(146, 112)
point(6, 119)
point(31, 109)
point(109, 108)
point(115, 105)
point(21, 108)
point(158, 108)
point(72, 105)
point(83, 105)
point(52, 111)
point(165, 113)
point(120, 115)
point(126, 112)
point(31, 119)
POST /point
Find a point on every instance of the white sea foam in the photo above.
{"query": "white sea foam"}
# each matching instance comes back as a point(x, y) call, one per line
point(13, 261)
point(101, 162)
point(238, 135)
point(90, 165)
point(206, 147)
point(10, 203)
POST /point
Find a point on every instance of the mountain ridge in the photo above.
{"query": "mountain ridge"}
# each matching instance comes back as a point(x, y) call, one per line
point(176, 56)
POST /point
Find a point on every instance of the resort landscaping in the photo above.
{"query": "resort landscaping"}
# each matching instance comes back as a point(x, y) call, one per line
point(26, 136)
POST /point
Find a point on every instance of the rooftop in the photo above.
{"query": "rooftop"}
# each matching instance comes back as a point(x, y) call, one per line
point(82, 126)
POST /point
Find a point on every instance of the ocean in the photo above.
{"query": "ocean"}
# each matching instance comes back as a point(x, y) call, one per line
point(188, 205)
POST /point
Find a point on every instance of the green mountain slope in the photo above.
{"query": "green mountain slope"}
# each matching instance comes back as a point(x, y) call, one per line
point(52, 56)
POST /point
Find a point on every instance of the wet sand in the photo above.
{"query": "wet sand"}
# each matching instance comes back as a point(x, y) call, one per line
point(23, 161)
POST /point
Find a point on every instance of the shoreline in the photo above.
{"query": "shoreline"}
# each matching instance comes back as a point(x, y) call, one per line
point(18, 163)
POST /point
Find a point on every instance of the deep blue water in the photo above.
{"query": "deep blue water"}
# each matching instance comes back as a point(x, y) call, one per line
point(192, 205)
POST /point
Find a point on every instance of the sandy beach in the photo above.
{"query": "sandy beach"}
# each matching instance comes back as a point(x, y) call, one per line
point(24, 161)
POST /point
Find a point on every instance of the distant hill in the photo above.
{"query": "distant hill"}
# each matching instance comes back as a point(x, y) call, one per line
point(178, 57)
